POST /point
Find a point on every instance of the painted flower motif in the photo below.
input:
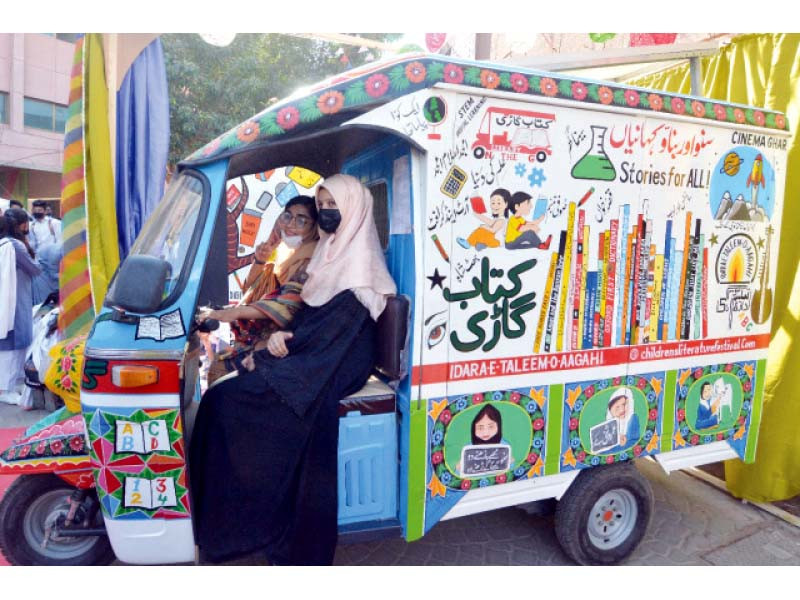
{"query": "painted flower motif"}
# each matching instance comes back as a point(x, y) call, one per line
point(446, 416)
point(519, 83)
point(11, 453)
point(446, 478)
point(489, 79)
point(580, 456)
point(461, 404)
point(747, 386)
point(707, 439)
point(698, 109)
point(573, 424)
point(548, 86)
point(648, 435)
point(652, 414)
point(589, 391)
point(41, 447)
point(437, 458)
point(466, 484)
point(714, 368)
point(637, 450)
point(698, 373)
point(477, 398)
point(76, 444)
point(683, 391)
point(330, 103)
point(728, 367)
point(624, 456)
point(681, 415)
point(605, 95)
point(24, 451)
point(66, 363)
point(575, 442)
point(415, 72)
point(532, 458)
point(377, 85)
point(609, 459)
point(515, 397)
point(595, 461)
point(438, 436)
point(629, 380)
point(642, 383)
point(780, 121)
point(684, 431)
point(602, 385)
point(501, 478)
point(656, 102)
point(538, 443)
point(746, 405)
point(531, 406)
point(248, 131)
point(694, 439)
point(738, 115)
point(578, 405)
point(519, 471)
point(720, 113)
point(632, 98)
point(211, 147)
point(56, 446)
point(538, 424)
point(66, 382)
point(579, 91)
point(288, 117)
point(678, 106)
point(453, 74)
point(759, 118)
point(720, 436)
point(520, 170)
point(497, 396)
point(651, 397)
point(617, 381)
point(483, 483)
point(741, 420)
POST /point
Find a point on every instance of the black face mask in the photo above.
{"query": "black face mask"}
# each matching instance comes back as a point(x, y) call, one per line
point(329, 219)
point(38, 216)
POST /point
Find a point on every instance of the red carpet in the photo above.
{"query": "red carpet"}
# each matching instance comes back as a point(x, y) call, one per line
point(6, 435)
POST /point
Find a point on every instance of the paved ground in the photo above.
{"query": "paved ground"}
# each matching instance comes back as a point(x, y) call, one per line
point(693, 524)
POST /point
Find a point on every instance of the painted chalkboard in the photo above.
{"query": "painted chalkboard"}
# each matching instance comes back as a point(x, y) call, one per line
point(485, 459)
point(604, 435)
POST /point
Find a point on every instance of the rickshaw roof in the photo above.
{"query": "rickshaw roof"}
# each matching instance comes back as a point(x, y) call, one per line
point(328, 104)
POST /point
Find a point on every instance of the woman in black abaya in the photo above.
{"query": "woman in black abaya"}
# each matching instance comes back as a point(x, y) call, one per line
point(264, 449)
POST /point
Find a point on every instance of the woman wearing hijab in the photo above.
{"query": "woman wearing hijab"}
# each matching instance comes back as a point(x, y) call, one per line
point(620, 407)
point(19, 267)
point(272, 289)
point(263, 457)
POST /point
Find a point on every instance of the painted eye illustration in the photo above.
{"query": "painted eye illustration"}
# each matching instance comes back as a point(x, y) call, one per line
point(436, 327)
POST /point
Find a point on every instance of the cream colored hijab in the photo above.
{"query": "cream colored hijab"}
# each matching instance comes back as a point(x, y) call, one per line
point(350, 258)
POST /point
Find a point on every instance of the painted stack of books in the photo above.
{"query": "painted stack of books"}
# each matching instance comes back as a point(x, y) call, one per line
point(633, 292)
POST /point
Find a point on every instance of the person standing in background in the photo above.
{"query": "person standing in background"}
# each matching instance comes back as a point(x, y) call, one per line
point(45, 230)
point(15, 287)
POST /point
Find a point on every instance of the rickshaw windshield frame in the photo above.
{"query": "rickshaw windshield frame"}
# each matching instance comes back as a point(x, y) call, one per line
point(157, 217)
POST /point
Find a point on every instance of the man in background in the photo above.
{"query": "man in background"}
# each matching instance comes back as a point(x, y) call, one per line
point(44, 230)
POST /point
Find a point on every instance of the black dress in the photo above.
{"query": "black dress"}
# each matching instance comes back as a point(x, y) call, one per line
point(263, 456)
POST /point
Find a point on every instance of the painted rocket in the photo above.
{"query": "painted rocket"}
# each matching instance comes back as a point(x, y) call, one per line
point(756, 177)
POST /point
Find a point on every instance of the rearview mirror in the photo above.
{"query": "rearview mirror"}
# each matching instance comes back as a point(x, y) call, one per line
point(139, 285)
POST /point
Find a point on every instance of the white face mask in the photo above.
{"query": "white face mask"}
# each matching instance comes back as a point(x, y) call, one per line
point(293, 241)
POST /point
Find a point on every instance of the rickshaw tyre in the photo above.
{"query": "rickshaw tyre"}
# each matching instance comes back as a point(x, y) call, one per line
point(541, 156)
point(479, 152)
point(14, 546)
point(573, 512)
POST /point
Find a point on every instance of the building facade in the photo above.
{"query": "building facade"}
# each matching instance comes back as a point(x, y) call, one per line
point(34, 90)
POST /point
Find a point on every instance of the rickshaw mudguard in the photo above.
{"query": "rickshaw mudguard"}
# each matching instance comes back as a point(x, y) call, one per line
point(56, 444)
point(136, 435)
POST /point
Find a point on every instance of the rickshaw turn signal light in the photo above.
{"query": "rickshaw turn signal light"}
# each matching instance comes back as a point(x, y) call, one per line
point(129, 376)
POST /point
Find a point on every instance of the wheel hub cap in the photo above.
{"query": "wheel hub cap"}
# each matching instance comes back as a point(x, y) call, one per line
point(612, 519)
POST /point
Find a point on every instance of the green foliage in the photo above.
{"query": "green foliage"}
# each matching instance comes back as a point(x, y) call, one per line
point(213, 89)
point(600, 38)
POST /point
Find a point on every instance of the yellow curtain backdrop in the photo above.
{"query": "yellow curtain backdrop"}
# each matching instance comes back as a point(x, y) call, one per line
point(764, 70)
point(100, 202)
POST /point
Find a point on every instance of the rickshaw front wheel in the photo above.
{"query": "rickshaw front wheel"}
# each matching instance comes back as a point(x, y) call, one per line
point(604, 514)
point(31, 508)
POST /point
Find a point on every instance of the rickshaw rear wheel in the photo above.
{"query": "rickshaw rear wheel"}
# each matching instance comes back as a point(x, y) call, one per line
point(604, 514)
point(30, 508)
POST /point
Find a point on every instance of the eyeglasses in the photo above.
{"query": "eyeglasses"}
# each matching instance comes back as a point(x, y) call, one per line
point(301, 220)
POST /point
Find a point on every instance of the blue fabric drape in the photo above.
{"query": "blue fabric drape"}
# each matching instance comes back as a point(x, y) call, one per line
point(142, 143)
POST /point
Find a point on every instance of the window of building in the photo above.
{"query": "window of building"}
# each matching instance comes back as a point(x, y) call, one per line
point(3, 107)
point(45, 115)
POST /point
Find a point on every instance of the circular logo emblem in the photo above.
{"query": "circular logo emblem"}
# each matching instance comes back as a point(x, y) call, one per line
point(737, 260)
point(434, 110)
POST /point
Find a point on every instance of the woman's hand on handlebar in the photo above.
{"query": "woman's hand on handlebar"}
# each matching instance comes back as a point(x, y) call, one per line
point(205, 313)
point(276, 345)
